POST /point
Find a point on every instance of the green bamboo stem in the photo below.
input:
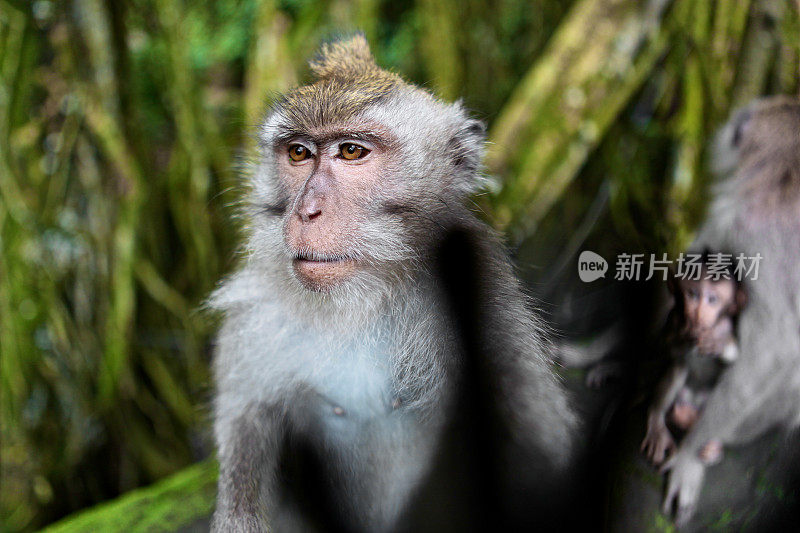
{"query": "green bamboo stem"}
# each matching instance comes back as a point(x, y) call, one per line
point(600, 56)
point(440, 46)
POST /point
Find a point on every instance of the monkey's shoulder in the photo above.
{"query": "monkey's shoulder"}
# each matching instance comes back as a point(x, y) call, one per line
point(239, 291)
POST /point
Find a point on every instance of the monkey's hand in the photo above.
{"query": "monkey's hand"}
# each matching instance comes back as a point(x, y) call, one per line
point(708, 345)
point(686, 472)
point(711, 453)
point(599, 374)
point(658, 442)
point(730, 353)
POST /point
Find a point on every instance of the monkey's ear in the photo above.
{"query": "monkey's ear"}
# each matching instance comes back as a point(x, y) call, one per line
point(738, 126)
point(466, 148)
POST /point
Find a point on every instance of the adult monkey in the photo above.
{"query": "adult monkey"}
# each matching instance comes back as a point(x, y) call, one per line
point(340, 345)
point(756, 210)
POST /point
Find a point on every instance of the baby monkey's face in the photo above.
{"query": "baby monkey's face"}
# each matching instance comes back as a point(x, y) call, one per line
point(706, 302)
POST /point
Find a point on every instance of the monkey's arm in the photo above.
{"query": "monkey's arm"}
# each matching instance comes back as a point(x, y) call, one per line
point(519, 359)
point(658, 441)
point(668, 387)
point(540, 413)
point(248, 456)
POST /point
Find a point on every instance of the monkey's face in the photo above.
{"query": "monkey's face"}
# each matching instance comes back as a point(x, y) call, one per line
point(705, 303)
point(359, 174)
point(360, 201)
point(333, 180)
point(766, 127)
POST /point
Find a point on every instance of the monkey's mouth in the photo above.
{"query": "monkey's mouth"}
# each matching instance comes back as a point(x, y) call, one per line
point(315, 257)
point(319, 271)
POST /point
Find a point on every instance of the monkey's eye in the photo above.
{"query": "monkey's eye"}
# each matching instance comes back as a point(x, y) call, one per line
point(712, 299)
point(693, 294)
point(298, 152)
point(352, 151)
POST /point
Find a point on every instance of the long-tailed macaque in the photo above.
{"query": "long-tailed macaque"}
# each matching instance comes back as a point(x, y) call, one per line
point(702, 339)
point(341, 351)
point(754, 211)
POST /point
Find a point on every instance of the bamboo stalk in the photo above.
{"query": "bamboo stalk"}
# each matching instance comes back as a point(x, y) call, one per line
point(550, 130)
point(440, 46)
point(271, 68)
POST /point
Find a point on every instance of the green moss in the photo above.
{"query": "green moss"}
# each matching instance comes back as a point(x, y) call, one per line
point(173, 503)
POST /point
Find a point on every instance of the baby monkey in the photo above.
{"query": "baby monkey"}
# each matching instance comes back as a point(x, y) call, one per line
point(701, 333)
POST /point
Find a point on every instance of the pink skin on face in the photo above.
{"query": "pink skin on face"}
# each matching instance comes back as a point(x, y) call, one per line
point(331, 184)
point(705, 301)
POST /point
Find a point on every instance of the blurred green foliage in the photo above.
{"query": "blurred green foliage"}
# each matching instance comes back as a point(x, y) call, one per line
point(123, 125)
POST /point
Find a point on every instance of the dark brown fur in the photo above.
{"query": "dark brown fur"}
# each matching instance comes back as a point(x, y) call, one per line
point(347, 80)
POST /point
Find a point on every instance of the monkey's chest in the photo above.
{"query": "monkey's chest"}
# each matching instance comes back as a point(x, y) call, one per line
point(356, 401)
point(372, 447)
point(372, 444)
point(370, 450)
point(704, 370)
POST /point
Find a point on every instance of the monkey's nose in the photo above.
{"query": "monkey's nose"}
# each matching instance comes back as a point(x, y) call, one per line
point(309, 209)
